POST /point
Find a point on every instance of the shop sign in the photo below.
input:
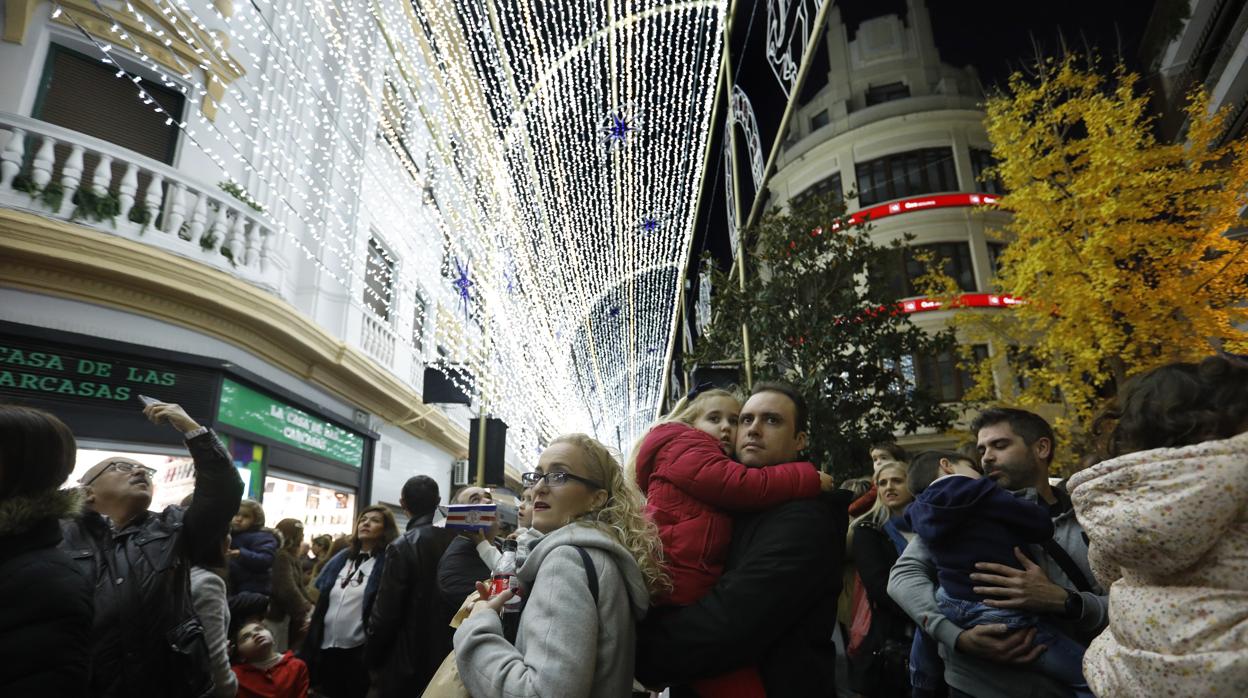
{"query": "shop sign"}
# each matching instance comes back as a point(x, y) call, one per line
point(49, 371)
point(260, 414)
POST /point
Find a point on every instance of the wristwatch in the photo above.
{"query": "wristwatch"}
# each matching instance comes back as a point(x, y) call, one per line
point(1074, 605)
point(204, 430)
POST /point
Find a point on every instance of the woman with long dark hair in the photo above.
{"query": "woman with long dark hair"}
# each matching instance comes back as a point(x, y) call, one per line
point(334, 646)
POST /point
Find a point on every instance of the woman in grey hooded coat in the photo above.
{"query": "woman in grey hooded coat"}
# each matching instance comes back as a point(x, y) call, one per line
point(572, 641)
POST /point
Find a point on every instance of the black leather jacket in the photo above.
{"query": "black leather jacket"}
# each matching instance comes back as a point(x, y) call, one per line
point(404, 631)
point(141, 577)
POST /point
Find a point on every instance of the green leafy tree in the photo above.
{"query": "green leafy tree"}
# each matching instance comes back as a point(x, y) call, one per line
point(822, 314)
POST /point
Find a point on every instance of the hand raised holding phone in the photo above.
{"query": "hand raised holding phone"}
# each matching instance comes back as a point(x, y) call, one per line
point(167, 412)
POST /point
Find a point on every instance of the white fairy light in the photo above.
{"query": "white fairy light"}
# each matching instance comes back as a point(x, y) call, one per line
point(475, 132)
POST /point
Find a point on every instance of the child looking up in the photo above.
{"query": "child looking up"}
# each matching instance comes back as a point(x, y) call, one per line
point(262, 672)
point(692, 484)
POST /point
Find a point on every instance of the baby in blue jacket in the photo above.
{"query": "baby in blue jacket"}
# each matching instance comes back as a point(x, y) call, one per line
point(965, 518)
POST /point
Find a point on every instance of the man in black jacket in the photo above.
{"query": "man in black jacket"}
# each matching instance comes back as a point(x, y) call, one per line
point(775, 606)
point(146, 639)
point(460, 568)
point(401, 630)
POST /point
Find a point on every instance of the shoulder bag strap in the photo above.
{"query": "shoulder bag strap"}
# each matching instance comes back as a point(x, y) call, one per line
point(1063, 560)
point(591, 573)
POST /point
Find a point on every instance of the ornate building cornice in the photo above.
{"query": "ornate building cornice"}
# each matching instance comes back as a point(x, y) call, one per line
point(66, 260)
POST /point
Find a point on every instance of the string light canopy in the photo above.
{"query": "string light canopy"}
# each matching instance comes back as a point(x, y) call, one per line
point(532, 168)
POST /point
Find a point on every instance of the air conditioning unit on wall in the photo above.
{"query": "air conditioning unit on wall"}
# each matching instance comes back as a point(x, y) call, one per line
point(461, 473)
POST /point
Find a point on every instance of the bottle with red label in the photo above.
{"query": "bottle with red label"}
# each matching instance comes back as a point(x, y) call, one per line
point(504, 578)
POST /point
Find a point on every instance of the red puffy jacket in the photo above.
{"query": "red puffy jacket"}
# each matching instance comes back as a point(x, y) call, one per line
point(691, 486)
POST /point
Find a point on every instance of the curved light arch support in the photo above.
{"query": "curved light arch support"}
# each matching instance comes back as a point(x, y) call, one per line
point(740, 112)
point(787, 22)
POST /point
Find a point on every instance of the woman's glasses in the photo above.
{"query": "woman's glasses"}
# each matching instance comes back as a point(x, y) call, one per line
point(556, 478)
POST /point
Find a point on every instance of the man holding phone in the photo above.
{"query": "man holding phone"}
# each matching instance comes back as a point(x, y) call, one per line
point(146, 639)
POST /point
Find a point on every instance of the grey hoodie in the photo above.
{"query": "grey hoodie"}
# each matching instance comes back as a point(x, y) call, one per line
point(566, 646)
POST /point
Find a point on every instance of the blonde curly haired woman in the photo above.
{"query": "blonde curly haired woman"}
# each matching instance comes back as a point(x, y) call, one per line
point(572, 641)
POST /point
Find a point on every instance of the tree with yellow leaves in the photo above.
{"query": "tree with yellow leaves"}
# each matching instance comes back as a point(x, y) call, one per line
point(1118, 243)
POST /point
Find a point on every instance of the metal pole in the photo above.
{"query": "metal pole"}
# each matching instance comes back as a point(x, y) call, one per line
point(736, 200)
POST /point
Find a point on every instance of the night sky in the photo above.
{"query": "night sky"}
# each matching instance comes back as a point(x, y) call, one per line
point(993, 37)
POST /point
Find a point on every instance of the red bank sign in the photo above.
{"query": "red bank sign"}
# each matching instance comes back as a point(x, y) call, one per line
point(966, 300)
point(921, 203)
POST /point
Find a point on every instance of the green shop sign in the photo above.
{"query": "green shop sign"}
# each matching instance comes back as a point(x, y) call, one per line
point(260, 414)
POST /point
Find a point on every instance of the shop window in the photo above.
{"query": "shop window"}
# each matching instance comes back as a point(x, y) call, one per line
point(831, 183)
point(911, 173)
point(944, 377)
point(981, 159)
point(379, 280)
point(321, 508)
point(82, 94)
point(879, 94)
point(819, 120)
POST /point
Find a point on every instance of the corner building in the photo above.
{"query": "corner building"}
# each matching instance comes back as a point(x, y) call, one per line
point(899, 136)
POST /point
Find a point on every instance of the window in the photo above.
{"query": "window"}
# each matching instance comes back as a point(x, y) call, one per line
point(981, 160)
point(379, 280)
point(831, 183)
point(82, 94)
point(995, 250)
point(819, 120)
point(1021, 362)
point(419, 314)
point(943, 377)
point(887, 93)
point(903, 273)
point(395, 124)
point(906, 174)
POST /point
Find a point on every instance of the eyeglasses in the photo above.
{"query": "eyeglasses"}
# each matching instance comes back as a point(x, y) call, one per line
point(124, 467)
point(556, 478)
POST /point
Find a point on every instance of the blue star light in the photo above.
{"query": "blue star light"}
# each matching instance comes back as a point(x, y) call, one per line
point(649, 224)
point(463, 283)
point(614, 311)
point(619, 129)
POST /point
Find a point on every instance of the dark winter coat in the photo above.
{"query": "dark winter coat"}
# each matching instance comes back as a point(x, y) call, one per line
point(45, 629)
point(310, 652)
point(774, 607)
point(459, 570)
point(964, 520)
point(691, 487)
point(252, 570)
point(289, 599)
point(146, 639)
point(405, 630)
point(891, 630)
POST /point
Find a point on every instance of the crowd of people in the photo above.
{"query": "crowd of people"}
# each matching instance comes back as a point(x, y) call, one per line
point(715, 562)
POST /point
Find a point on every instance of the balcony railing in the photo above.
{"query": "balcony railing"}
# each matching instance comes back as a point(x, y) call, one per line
point(121, 192)
point(378, 340)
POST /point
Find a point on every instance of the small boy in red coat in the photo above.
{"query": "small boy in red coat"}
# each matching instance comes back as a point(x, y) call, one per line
point(263, 673)
point(685, 467)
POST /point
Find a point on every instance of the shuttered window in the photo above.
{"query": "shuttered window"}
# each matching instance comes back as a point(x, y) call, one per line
point(83, 94)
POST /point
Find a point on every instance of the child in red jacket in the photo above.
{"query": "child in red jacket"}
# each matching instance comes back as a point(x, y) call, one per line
point(684, 465)
point(263, 673)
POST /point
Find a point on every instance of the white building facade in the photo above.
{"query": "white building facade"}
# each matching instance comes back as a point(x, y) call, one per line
point(899, 135)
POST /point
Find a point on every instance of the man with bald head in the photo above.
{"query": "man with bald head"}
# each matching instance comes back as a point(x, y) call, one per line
point(146, 639)
point(775, 606)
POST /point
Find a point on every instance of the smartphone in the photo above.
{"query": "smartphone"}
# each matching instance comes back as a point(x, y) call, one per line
point(148, 401)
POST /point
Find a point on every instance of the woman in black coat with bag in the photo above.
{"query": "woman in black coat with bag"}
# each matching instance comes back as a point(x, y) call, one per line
point(879, 666)
point(49, 604)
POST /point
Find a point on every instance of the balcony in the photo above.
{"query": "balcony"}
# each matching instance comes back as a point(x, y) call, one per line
point(73, 177)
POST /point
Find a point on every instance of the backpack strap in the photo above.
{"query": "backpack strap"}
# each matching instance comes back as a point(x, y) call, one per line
point(591, 573)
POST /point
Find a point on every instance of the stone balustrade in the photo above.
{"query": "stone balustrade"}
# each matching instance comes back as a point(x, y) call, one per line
point(121, 192)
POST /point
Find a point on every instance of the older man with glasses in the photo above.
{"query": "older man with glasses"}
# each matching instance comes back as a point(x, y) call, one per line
point(146, 639)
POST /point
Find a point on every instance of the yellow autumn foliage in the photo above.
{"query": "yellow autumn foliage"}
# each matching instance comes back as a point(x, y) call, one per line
point(1117, 242)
